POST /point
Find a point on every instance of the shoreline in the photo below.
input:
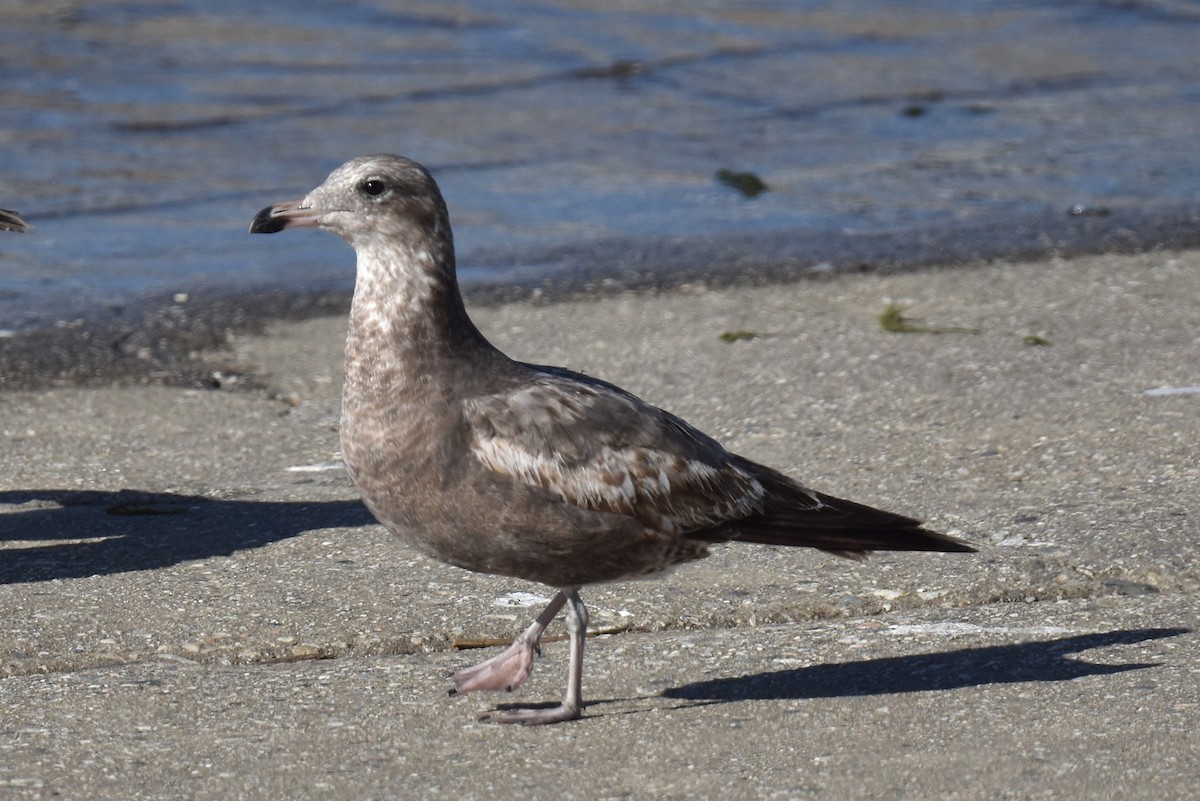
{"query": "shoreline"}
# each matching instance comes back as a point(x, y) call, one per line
point(156, 338)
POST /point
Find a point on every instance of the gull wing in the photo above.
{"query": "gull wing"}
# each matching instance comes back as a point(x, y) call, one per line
point(600, 448)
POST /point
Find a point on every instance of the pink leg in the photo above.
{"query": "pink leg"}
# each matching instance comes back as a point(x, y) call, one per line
point(507, 670)
point(571, 707)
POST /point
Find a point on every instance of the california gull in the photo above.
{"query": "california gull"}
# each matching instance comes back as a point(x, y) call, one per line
point(523, 470)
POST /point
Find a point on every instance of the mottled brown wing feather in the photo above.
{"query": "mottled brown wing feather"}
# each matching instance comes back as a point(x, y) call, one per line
point(600, 448)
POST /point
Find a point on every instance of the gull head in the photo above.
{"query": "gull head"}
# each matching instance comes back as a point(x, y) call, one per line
point(368, 201)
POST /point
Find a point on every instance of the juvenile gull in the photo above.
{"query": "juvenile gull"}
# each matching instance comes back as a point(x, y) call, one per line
point(11, 221)
point(522, 470)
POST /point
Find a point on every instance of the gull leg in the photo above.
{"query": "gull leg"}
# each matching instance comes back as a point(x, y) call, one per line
point(571, 707)
point(507, 670)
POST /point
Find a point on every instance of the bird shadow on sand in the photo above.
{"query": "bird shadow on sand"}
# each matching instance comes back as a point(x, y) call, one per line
point(72, 534)
point(1026, 662)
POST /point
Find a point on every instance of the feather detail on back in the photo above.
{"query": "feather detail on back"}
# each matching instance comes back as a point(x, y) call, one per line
point(602, 449)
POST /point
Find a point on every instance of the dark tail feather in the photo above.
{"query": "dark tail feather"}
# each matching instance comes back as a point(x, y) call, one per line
point(797, 516)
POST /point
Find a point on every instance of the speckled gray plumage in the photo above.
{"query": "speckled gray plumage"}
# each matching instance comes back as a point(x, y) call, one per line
point(522, 470)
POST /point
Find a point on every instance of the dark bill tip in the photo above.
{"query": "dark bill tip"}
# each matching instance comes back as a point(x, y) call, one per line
point(289, 214)
point(266, 222)
point(11, 221)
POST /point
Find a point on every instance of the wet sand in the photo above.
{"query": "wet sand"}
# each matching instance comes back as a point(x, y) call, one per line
point(140, 138)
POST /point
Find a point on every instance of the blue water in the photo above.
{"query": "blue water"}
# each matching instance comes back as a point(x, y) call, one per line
point(141, 137)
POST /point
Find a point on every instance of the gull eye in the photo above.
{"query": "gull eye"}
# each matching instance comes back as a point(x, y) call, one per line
point(373, 187)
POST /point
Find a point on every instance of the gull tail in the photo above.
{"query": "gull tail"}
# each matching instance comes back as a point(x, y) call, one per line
point(797, 516)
